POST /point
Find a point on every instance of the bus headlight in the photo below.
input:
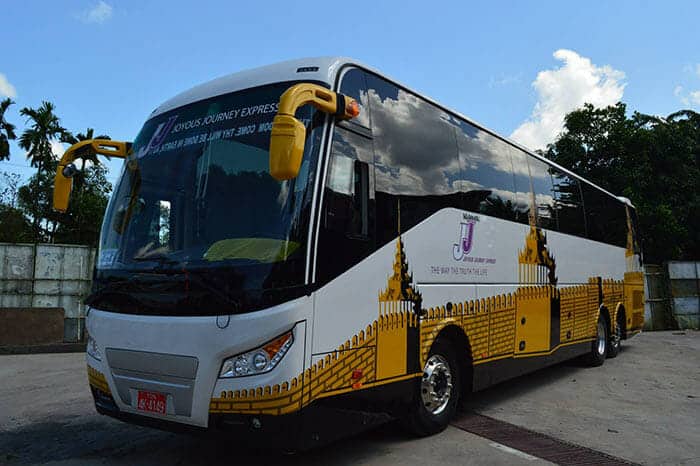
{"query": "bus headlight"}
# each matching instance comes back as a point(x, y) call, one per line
point(92, 349)
point(259, 360)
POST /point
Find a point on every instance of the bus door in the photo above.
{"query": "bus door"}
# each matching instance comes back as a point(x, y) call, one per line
point(537, 319)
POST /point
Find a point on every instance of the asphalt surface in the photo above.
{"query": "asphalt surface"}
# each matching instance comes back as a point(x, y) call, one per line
point(643, 406)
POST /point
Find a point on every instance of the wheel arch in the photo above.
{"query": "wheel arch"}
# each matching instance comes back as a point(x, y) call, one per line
point(621, 316)
point(459, 341)
point(603, 311)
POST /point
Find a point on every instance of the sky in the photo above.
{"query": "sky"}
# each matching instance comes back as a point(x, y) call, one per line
point(516, 67)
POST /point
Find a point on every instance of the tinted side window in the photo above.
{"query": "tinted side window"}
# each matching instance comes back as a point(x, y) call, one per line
point(606, 218)
point(568, 203)
point(486, 175)
point(416, 163)
point(347, 230)
point(354, 85)
point(542, 190)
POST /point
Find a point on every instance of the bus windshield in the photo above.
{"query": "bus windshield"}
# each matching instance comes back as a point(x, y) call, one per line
point(196, 199)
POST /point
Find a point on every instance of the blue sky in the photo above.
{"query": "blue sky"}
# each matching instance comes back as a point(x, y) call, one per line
point(516, 67)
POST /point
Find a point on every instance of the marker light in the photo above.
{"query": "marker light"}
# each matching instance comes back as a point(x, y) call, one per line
point(259, 360)
point(352, 108)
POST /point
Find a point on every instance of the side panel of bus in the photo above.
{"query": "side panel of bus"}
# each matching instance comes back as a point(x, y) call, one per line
point(428, 225)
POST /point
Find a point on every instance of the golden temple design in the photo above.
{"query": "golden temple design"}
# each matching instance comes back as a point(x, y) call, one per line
point(400, 284)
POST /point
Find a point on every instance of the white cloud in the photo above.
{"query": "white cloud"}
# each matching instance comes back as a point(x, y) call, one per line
point(6, 89)
point(563, 89)
point(678, 92)
point(98, 14)
point(695, 97)
point(57, 148)
point(697, 69)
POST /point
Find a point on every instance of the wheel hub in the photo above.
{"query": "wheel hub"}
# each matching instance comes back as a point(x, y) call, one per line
point(601, 337)
point(436, 384)
point(617, 336)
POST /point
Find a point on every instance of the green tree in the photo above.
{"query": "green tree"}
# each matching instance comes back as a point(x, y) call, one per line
point(653, 161)
point(7, 130)
point(81, 223)
point(9, 183)
point(35, 200)
point(44, 128)
point(90, 158)
point(14, 226)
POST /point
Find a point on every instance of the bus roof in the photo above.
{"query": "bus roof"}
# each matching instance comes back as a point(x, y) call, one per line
point(322, 69)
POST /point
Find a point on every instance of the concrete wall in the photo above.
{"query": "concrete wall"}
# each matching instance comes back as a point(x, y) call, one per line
point(47, 276)
point(684, 284)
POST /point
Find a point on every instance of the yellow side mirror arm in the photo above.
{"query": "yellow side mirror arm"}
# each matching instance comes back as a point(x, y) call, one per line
point(64, 172)
point(289, 134)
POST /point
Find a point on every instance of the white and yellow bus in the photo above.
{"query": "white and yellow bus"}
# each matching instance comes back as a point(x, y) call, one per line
point(296, 252)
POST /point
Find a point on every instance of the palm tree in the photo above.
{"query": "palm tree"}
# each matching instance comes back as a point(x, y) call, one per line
point(44, 127)
point(74, 139)
point(7, 130)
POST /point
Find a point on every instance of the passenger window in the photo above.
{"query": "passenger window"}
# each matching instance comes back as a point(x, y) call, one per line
point(568, 203)
point(486, 173)
point(606, 218)
point(541, 188)
point(416, 162)
point(347, 185)
point(347, 230)
point(521, 178)
point(354, 85)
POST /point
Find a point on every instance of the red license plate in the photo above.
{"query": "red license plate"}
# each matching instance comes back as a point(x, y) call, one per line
point(151, 402)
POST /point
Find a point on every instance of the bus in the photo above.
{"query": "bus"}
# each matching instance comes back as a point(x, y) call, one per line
point(296, 252)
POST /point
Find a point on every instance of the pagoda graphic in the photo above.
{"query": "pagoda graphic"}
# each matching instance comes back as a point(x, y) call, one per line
point(400, 288)
point(400, 294)
point(536, 264)
point(398, 336)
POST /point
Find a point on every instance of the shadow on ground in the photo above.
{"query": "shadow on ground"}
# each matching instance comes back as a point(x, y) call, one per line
point(102, 440)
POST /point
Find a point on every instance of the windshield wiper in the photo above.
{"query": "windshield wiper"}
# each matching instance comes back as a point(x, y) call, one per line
point(189, 275)
point(213, 289)
point(133, 292)
point(116, 290)
point(162, 260)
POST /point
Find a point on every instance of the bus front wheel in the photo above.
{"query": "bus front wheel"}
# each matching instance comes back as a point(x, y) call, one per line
point(438, 392)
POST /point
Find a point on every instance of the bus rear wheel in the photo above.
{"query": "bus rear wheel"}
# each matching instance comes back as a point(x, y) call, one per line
point(599, 345)
point(438, 394)
point(615, 340)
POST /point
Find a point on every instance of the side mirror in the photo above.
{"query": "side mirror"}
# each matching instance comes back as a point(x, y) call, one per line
point(286, 147)
point(288, 134)
point(65, 171)
point(70, 170)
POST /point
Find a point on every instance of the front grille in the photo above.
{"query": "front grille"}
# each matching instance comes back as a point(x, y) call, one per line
point(171, 374)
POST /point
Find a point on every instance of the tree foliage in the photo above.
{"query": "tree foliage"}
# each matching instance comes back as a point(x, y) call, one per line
point(26, 212)
point(7, 130)
point(44, 128)
point(653, 161)
point(81, 223)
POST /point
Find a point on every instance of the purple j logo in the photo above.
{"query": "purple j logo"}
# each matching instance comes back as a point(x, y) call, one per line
point(466, 237)
point(162, 131)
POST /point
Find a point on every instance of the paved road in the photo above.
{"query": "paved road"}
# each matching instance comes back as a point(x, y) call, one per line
point(643, 406)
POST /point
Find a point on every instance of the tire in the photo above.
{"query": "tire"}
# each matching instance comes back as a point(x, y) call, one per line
point(599, 345)
point(436, 402)
point(615, 340)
